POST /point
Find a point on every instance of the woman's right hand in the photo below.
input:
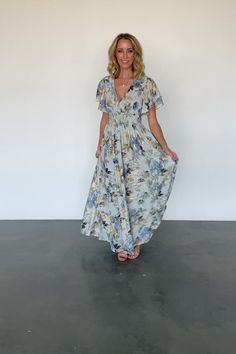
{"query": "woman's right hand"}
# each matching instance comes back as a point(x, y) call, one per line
point(170, 153)
point(98, 151)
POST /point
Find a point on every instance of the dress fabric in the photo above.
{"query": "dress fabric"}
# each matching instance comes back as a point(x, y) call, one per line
point(133, 177)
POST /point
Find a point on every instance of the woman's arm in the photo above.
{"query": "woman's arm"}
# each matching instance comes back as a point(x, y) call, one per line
point(103, 122)
point(158, 134)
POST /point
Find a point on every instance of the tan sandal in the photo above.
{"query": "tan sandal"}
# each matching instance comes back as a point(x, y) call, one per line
point(122, 256)
point(136, 253)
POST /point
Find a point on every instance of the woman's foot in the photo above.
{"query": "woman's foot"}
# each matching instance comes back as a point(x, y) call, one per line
point(122, 256)
point(135, 254)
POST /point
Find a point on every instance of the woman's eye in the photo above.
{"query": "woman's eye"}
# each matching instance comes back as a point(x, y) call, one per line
point(129, 51)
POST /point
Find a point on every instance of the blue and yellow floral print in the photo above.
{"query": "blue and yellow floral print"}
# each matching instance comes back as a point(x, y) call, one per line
point(133, 176)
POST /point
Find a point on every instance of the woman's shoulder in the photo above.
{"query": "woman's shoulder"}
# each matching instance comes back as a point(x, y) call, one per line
point(145, 81)
point(103, 86)
point(150, 83)
point(148, 79)
point(104, 80)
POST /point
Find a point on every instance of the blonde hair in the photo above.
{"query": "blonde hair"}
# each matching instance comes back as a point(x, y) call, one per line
point(137, 66)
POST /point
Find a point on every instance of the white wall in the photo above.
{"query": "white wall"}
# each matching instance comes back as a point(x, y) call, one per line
point(53, 53)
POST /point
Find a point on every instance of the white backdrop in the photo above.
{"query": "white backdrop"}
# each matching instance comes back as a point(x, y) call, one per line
point(53, 53)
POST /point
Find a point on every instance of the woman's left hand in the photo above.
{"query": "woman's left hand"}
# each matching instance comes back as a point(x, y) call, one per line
point(170, 153)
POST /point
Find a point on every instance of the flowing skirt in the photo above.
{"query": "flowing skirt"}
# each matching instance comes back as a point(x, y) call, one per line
point(130, 187)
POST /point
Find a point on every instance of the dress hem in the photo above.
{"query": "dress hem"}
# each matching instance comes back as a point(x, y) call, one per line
point(150, 235)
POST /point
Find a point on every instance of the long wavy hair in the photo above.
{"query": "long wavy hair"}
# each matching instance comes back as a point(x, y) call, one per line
point(138, 66)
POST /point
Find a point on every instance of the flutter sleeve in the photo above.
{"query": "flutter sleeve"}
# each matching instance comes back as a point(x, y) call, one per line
point(152, 96)
point(101, 96)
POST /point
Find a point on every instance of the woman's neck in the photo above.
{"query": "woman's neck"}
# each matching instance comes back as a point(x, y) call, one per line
point(125, 74)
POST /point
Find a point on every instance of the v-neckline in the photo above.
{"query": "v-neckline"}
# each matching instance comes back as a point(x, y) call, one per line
point(115, 93)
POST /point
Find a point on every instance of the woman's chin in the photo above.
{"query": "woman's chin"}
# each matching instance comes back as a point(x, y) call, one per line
point(125, 66)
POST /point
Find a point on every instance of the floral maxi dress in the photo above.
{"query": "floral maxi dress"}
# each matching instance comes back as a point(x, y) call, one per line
point(133, 176)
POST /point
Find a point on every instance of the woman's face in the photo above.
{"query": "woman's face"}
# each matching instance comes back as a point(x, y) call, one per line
point(124, 53)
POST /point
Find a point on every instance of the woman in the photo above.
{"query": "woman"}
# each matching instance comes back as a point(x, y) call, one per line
point(135, 167)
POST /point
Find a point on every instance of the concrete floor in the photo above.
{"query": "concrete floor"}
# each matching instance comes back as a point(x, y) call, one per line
point(62, 292)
